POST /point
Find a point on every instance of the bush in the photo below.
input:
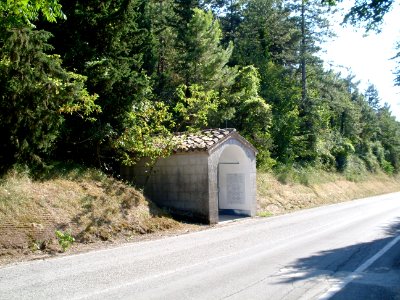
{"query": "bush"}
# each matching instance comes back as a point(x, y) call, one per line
point(355, 169)
point(342, 151)
point(305, 175)
point(371, 162)
point(387, 167)
point(65, 239)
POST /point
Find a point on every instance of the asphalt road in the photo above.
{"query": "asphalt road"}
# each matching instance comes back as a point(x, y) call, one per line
point(345, 251)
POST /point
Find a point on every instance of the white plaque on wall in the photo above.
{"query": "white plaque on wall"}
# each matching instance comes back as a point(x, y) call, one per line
point(235, 185)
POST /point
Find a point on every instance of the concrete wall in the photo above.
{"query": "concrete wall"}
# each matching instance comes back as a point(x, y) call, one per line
point(179, 182)
point(188, 182)
point(214, 160)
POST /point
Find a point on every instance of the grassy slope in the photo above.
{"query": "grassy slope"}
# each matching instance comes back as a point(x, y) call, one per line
point(86, 203)
point(316, 188)
point(95, 208)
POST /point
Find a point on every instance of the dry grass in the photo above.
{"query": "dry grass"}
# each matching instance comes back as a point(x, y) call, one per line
point(86, 203)
point(95, 208)
point(276, 197)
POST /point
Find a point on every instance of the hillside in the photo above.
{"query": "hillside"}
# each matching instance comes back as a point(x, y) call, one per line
point(83, 203)
point(99, 211)
point(277, 195)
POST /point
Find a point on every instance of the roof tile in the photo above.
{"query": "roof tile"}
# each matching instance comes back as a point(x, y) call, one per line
point(203, 140)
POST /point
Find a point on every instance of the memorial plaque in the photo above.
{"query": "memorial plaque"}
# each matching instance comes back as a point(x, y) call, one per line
point(235, 185)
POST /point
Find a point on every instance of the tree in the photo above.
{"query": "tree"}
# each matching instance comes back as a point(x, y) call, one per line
point(389, 136)
point(105, 41)
point(252, 115)
point(163, 22)
point(24, 12)
point(369, 13)
point(201, 58)
point(314, 27)
point(372, 97)
point(284, 94)
point(37, 95)
point(266, 33)
point(230, 14)
point(268, 38)
point(397, 71)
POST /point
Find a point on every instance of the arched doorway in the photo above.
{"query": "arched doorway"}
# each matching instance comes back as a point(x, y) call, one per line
point(234, 169)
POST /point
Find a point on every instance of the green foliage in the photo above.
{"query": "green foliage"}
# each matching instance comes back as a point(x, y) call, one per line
point(37, 93)
point(342, 151)
point(264, 214)
point(368, 13)
point(121, 76)
point(202, 60)
point(146, 135)
point(252, 115)
point(194, 106)
point(65, 239)
point(283, 93)
point(387, 167)
point(24, 12)
point(389, 136)
point(354, 169)
point(106, 42)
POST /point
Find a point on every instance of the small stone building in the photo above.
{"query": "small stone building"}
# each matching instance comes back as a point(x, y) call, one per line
point(209, 173)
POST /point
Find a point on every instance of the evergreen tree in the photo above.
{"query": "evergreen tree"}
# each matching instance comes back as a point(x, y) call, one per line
point(37, 94)
point(369, 13)
point(397, 71)
point(106, 41)
point(164, 33)
point(230, 14)
point(201, 58)
point(314, 27)
point(372, 97)
point(389, 136)
point(266, 33)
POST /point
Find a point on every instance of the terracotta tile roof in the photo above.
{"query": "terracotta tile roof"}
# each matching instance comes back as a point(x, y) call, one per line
point(201, 141)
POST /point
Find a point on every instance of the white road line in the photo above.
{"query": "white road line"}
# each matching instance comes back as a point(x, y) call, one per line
point(354, 275)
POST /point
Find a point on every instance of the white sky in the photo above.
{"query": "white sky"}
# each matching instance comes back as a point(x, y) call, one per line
point(368, 58)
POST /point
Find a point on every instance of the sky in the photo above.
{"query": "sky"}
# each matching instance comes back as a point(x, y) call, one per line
point(368, 57)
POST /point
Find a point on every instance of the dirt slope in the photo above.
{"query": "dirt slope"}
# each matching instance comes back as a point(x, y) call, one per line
point(87, 205)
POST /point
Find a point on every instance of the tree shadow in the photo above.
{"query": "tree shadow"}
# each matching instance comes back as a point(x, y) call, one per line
point(339, 263)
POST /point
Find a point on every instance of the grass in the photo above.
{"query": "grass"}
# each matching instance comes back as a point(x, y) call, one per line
point(293, 189)
point(93, 207)
point(82, 201)
point(264, 214)
point(304, 175)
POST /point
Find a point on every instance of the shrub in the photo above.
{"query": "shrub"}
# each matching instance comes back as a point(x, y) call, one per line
point(387, 167)
point(355, 169)
point(65, 239)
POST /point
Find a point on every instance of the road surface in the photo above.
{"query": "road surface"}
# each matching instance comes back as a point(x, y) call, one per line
point(345, 251)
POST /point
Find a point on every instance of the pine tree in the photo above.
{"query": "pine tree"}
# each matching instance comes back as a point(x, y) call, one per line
point(37, 94)
point(314, 27)
point(201, 58)
point(372, 97)
point(106, 41)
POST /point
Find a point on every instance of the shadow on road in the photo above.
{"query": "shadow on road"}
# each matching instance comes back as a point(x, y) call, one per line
point(339, 263)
